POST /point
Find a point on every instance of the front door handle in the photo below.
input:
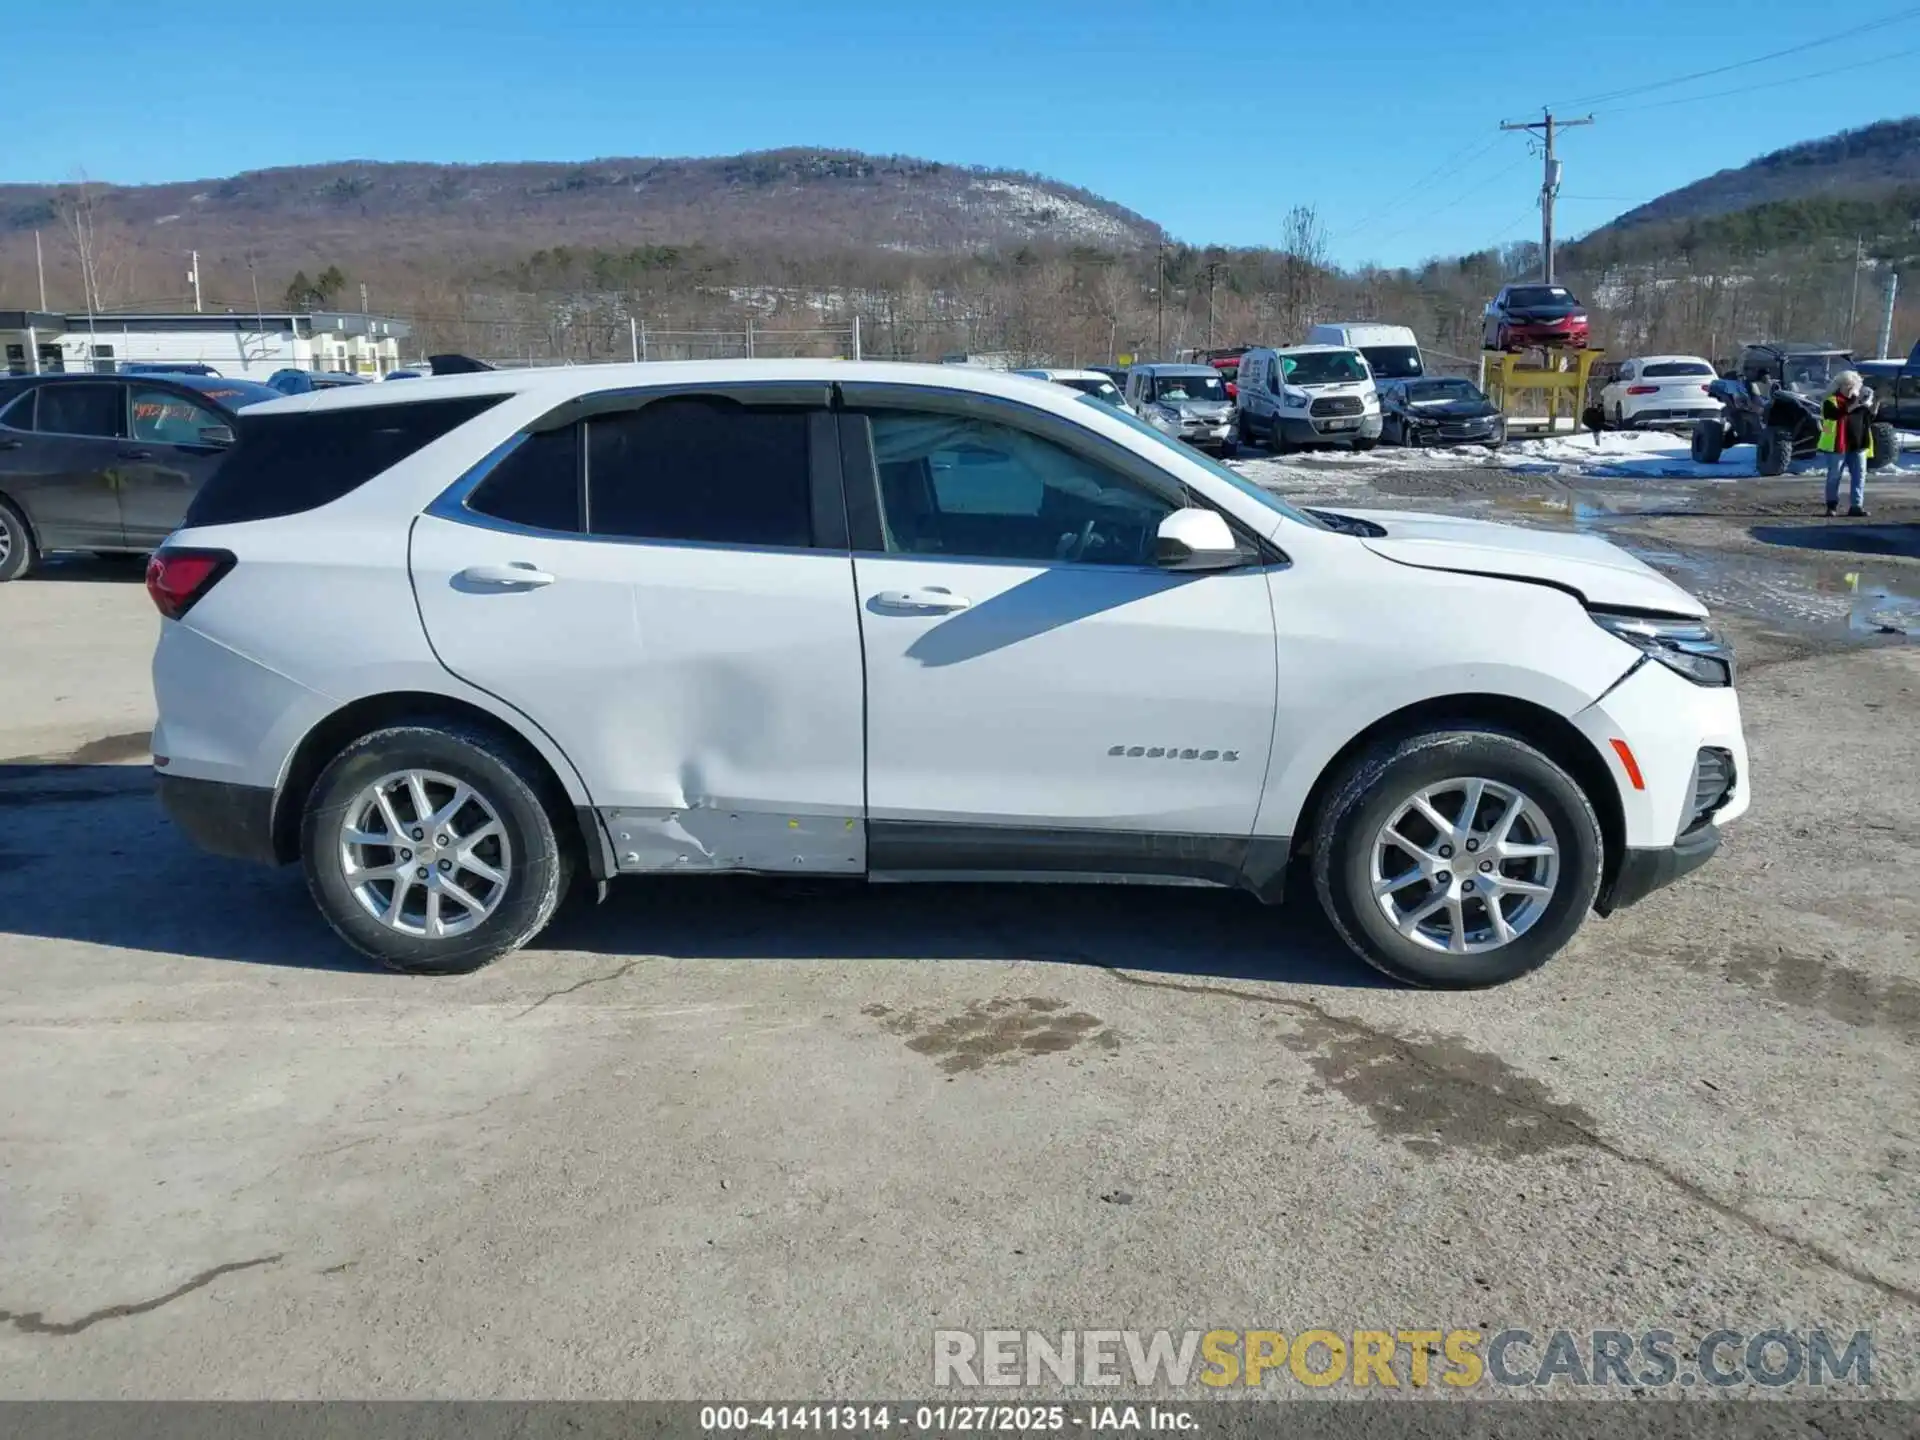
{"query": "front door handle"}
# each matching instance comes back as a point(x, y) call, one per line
point(519, 575)
point(9, 444)
point(136, 454)
point(936, 598)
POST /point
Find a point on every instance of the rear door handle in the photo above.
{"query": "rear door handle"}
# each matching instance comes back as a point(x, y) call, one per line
point(136, 454)
point(9, 444)
point(936, 598)
point(519, 575)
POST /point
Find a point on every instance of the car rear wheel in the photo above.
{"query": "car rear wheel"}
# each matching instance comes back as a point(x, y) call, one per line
point(1886, 446)
point(17, 553)
point(1457, 858)
point(1708, 440)
point(428, 849)
point(1775, 451)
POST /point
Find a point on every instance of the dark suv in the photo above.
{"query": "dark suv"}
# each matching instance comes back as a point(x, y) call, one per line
point(1772, 402)
point(107, 462)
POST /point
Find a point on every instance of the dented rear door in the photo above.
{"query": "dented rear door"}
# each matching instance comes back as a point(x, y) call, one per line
point(707, 689)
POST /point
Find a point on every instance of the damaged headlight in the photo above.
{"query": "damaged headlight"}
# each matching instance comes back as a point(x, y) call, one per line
point(1693, 648)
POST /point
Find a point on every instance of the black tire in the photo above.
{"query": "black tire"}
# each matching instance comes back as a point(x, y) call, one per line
point(1362, 446)
point(1249, 432)
point(1709, 440)
point(1380, 781)
point(1229, 449)
point(1886, 446)
point(18, 554)
point(1775, 451)
point(537, 875)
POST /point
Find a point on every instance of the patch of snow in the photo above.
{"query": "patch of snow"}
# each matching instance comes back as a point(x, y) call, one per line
point(166, 219)
point(1033, 208)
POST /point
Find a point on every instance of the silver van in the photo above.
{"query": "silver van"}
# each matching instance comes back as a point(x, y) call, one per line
point(1185, 402)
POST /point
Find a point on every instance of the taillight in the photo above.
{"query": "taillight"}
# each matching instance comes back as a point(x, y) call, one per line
point(176, 579)
point(1643, 389)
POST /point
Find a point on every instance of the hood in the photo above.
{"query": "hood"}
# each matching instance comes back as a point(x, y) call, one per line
point(1553, 310)
point(1600, 572)
point(1452, 409)
point(1198, 409)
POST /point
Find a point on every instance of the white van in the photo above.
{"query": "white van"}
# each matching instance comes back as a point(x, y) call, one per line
point(1392, 352)
point(1308, 395)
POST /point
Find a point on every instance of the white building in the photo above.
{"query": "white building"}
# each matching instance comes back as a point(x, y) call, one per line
point(253, 345)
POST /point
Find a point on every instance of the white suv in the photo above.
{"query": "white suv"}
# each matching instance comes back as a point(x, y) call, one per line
point(452, 643)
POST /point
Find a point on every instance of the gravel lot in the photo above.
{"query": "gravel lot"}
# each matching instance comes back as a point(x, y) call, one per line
point(735, 1138)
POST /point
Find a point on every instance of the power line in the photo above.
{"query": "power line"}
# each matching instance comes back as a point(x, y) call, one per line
point(1454, 203)
point(1851, 32)
point(1450, 166)
point(1766, 84)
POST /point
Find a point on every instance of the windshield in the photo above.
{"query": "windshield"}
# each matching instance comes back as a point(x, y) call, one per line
point(1323, 367)
point(1099, 389)
point(234, 394)
point(1213, 467)
point(1526, 295)
point(1667, 369)
point(1429, 392)
point(1173, 389)
point(1393, 362)
point(1813, 372)
point(1229, 373)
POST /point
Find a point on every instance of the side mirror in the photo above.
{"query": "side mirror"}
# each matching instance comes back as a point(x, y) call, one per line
point(1195, 539)
point(221, 435)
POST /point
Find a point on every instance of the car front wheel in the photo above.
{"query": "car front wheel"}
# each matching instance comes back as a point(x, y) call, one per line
point(428, 849)
point(1457, 858)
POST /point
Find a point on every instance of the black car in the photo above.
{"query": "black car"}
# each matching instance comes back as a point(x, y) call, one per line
point(107, 462)
point(1439, 411)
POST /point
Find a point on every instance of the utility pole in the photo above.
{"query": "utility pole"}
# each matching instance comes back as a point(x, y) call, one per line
point(1160, 303)
point(40, 264)
point(363, 297)
point(193, 274)
point(1214, 267)
point(1547, 128)
point(1886, 319)
point(1853, 305)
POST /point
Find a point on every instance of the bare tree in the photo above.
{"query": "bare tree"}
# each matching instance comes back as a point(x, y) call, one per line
point(77, 207)
point(1303, 244)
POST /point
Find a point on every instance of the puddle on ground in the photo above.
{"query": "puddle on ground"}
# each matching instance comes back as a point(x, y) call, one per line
point(1822, 596)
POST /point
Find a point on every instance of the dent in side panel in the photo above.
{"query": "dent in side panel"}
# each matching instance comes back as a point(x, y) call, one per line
point(719, 839)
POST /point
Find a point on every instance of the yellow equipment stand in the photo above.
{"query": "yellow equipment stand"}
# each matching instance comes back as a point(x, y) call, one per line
point(1533, 388)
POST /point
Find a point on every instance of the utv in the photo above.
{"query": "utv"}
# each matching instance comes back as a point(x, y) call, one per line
point(1772, 402)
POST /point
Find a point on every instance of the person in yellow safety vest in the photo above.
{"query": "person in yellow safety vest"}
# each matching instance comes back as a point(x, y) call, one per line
point(1846, 439)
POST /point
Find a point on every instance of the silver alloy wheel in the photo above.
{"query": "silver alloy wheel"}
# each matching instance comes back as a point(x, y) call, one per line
point(425, 854)
point(1465, 866)
point(6, 543)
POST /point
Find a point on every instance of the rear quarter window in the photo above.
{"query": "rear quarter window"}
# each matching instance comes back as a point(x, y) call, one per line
point(286, 464)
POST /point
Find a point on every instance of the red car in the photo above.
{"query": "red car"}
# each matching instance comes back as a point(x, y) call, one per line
point(1523, 315)
point(1227, 362)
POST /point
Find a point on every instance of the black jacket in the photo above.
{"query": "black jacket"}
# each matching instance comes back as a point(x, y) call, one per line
point(1853, 432)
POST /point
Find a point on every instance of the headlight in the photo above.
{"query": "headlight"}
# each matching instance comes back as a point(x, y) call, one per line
point(1165, 419)
point(1299, 398)
point(1691, 647)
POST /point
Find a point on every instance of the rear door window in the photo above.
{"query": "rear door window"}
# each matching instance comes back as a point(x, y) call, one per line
point(288, 463)
point(705, 470)
point(19, 414)
point(536, 485)
point(95, 411)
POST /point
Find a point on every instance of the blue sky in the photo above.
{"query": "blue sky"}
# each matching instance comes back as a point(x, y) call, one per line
point(1212, 119)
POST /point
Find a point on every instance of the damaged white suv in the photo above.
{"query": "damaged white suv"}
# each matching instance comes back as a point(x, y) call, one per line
point(450, 644)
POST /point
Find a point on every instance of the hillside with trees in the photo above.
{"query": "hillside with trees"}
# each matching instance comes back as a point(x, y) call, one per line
point(786, 251)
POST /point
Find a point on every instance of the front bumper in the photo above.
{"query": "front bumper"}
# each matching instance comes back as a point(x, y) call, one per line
point(220, 817)
point(1300, 430)
point(1643, 871)
point(1468, 432)
point(1665, 722)
point(1572, 336)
